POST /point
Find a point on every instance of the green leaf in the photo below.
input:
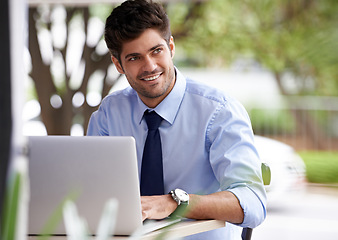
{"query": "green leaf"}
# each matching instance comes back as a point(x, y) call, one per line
point(11, 208)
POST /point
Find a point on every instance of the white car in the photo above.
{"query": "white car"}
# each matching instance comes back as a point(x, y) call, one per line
point(288, 173)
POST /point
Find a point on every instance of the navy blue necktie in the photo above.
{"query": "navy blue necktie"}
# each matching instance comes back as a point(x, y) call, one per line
point(152, 167)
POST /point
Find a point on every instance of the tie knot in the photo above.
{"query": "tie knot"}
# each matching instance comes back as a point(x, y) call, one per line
point(153, 120)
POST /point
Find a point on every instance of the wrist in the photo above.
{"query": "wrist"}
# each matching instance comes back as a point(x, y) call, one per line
point(171, 204)
point(181, 198)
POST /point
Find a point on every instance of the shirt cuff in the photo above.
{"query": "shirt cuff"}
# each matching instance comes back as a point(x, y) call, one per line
point(252, 205)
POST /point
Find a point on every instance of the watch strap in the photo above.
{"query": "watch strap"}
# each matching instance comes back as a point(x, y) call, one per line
point(181, 206)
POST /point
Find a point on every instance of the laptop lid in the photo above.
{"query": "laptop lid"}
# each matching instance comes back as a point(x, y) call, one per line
point(89, 170)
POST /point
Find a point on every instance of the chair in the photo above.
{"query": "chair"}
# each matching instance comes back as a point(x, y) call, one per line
point(266, 174)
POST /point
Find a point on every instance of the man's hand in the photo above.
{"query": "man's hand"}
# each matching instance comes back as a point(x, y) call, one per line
point(220, 206)
point(157, 207)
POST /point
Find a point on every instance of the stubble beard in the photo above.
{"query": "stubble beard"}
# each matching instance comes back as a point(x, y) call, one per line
point(167, 84)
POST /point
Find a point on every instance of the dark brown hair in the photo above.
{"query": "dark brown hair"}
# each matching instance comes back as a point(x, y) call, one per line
point(129, 20)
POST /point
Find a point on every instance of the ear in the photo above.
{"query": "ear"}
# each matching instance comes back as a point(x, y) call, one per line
point(117, 64)
point(172, 46)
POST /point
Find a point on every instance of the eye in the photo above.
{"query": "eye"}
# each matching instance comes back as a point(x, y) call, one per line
point(158, 50)
point(133, 59)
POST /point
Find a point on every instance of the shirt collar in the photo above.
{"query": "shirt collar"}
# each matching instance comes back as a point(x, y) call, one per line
point(168, 108)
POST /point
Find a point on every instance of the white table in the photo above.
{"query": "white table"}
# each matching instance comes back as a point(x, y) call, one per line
point(181, 229)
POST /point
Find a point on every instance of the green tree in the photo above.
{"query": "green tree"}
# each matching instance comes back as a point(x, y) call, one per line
point(285, 36)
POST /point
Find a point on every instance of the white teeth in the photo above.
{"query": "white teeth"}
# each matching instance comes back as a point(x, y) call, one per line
point(151, 78)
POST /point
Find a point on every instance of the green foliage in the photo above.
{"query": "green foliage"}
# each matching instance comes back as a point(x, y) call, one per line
point(299, 37)
point(321, 167)
point(11, 206)
point(271, 121)
point(101, 11)
point(56, 217)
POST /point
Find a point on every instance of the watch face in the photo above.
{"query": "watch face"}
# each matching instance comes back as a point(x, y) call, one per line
point(182, 195)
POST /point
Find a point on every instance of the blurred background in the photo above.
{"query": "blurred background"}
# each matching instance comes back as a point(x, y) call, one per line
point(278, 57)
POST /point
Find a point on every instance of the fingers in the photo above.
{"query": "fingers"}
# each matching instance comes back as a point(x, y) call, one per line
point(157, 207)
point(144, 215)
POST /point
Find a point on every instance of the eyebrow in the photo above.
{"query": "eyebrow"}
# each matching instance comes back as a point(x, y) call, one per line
point(138, 54)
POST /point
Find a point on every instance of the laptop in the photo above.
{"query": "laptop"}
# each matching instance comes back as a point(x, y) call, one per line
point(87, 170)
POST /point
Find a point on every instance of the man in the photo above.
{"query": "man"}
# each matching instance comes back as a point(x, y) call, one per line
point(205, 135)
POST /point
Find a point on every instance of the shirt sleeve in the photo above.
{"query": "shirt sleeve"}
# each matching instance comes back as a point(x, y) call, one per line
point(98, 124)
point(235, 160)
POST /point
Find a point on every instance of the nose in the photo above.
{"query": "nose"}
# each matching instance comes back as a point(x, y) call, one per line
point(149, 64)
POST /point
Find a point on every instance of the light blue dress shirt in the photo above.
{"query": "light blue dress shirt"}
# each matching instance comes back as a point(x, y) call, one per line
point(207, 144)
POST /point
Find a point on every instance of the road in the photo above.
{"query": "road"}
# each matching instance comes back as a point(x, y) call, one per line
point(312, 215)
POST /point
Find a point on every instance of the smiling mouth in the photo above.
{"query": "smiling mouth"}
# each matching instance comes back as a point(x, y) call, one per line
point(154, 77)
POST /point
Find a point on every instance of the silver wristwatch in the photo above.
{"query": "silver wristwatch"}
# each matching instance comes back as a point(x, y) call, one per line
point(182, 199)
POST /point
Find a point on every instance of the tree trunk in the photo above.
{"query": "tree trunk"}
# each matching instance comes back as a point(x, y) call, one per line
point(55, 119)
point(58, 121)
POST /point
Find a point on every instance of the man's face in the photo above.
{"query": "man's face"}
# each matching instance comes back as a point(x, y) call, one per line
point(148, 66)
